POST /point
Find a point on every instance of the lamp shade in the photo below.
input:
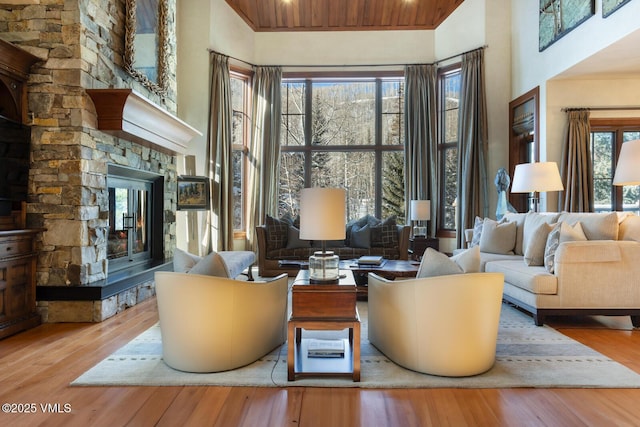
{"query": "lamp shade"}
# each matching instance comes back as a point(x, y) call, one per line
point(322, 214)
point(420, 210)
point(628, 167)
point(539, 176)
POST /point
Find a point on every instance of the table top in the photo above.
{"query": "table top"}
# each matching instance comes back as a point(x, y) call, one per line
point(396, 266)
point(302, 280)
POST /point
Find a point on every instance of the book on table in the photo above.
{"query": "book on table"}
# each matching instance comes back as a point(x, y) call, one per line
point(325, 348)
point(370, 260)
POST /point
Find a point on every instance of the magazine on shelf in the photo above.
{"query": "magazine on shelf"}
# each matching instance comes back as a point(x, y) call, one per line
point(370, 260)
point(325, 348)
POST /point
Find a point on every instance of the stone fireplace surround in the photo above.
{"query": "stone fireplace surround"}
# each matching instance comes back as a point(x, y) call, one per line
point(80, 44)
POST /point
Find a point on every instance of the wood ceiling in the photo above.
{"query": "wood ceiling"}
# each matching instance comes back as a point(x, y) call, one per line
point(341, 15)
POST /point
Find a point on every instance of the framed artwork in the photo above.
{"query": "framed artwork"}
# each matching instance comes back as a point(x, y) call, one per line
point(193, 193)
point(558, 17)
point(610, 6)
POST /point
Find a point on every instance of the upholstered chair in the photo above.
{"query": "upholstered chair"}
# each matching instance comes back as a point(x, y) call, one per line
point(213, 324)
point(444, 325)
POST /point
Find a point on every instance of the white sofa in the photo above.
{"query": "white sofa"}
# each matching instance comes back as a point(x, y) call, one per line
point(599, 275)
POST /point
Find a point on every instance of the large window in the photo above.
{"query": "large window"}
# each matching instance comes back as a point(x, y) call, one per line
point(240, 84)
point(606, 140)
point(347, 134)
point(448, 113)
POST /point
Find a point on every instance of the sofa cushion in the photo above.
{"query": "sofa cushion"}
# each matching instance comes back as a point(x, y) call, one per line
point(596, 226)
point(535, 244)
point(533, 279)
point(436, 263)
point(561, 232)
point(486, 257)
point(209, 265)
point(518, 218)
point(277, 232)
point(630, 228)
point(498, 237)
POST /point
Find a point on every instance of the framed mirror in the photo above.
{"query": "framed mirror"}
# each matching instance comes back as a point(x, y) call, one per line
point(146, 44)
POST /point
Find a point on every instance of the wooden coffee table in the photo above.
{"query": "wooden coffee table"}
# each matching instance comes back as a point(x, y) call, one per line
point(391, 269)
point(323, 307)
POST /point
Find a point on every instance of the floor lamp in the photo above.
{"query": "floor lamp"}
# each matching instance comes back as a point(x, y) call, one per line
point(322, 218)
point(535, 178)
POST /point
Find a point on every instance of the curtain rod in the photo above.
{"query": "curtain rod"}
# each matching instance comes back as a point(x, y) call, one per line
point(598, 108)
point(348, 65)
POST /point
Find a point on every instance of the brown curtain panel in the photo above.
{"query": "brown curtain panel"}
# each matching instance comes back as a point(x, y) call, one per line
point(264, 148)
point(421, 175)
point(472, 146)
point(219, 232)
point(577, 168)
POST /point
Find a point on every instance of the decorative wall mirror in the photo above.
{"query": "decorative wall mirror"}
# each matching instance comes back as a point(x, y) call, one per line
point(146, 46)
point(524, 144)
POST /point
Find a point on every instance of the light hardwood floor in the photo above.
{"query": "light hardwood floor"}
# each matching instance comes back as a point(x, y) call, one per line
point(37, 366)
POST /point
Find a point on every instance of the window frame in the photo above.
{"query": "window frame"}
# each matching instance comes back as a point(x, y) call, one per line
point(378, 147)
point(443, 146)
point(616, 126)
point(247, 77)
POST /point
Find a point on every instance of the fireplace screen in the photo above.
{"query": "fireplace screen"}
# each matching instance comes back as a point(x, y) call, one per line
point(129, 222)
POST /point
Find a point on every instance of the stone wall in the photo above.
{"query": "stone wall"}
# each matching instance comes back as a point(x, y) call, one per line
point(81, 44)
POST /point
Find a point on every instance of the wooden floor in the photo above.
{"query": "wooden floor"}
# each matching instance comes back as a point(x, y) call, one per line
point(37, 366)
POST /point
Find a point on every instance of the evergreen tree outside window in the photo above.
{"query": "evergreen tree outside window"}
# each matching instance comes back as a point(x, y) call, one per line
point(240, 128)
point(344, 133)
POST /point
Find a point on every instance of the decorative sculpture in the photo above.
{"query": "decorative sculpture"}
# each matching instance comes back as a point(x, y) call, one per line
point(502, 182)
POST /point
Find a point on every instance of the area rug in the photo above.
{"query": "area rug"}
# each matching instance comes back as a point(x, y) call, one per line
point(527, 356)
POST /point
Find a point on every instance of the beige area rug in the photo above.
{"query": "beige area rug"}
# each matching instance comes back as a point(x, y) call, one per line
point(527, 356)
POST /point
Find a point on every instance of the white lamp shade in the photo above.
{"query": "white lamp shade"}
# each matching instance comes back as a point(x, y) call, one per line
point(322, 214)
point(628, 167)
point(539, 176)
point(420, 210)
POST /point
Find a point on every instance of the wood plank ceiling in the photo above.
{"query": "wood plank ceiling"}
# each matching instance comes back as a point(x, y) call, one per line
point(341, 15)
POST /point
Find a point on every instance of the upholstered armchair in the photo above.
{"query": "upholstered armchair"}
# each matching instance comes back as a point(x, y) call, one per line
point(444, 325)
point(212, 324)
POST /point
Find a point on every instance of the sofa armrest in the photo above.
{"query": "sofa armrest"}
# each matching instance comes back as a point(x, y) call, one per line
point(403, 241)
point(598, 273)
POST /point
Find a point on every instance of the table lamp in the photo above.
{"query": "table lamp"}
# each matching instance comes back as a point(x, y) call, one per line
point(322, 217)
point(628, 167)
point(536, 177)
point(420, 210)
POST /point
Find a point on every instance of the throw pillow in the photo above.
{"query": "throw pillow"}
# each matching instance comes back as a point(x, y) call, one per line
point(361, 237)
point(561, 232)
point(210, 265)
point(293, 239)
point(518, 218)
point(277, 232)
point(536, 242)
point(477, 231)
point(498, 237)
point(630, 228)
point(436, 263)
point(385, 234)
point(532, 223)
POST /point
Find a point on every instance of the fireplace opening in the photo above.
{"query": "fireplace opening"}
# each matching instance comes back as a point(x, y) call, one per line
point(135, 237)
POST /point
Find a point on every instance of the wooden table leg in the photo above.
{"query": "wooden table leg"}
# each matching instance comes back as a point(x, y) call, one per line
point(356, 351)
point(291, 347)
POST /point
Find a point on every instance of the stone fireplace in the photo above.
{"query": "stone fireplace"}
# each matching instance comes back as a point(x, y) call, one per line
point(76, 150)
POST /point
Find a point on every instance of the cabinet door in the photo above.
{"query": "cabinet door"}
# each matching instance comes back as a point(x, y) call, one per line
point(15, 288)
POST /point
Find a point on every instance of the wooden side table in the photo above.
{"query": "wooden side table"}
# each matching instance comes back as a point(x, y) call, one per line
point(417, 246)
point(327, 308)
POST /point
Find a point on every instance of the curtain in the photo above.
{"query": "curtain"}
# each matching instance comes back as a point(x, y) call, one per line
point(219, 224)
point(264, 148)
point(577, 169)
point(472, 146)
point(420, 105)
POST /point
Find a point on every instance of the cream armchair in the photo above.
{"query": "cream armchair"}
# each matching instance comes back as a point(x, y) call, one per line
point(212, 324)
point(445, 325)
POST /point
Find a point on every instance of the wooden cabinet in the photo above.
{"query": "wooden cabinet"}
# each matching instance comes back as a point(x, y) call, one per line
point(17, 281)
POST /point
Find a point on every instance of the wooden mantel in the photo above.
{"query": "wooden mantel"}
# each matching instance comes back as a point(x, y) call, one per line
point(129, 115)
